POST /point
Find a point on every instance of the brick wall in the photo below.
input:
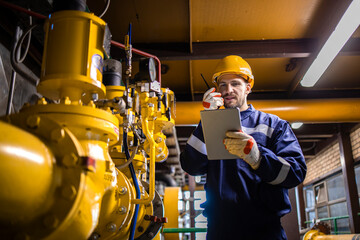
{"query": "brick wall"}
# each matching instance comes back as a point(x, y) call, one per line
point(329, 158)
point(323, 162)
point(355, 143)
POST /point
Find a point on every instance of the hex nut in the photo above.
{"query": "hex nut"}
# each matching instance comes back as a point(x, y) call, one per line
point(122, 210)
point(57, 134)
point(122, 190)
point(70, 160)
point(33, 121)
point(68, 192)
point(111, 227)
point(51, 221)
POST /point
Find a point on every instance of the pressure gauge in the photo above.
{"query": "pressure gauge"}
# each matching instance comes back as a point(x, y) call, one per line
point(147, 70)
point(152, 69)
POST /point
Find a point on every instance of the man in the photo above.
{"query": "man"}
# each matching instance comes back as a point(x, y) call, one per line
point(247, 196)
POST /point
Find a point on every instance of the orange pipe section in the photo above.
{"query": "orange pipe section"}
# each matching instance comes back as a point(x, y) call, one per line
point(305, 110)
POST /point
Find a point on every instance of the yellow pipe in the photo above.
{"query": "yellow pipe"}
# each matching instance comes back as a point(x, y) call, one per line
point(26, 182)
point(315, 234)
point(306, 110)
point(147, 111)
point(337, 237)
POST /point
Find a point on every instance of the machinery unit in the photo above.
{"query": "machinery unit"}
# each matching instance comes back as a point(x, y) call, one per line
point(80, 163)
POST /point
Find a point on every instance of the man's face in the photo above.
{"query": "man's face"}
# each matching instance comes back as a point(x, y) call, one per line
point(234, 89)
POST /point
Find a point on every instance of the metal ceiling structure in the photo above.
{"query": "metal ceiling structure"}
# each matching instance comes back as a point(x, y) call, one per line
point(279, 39)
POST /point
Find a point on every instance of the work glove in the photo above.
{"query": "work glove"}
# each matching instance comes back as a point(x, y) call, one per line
point(244, 146)
point(212, 100)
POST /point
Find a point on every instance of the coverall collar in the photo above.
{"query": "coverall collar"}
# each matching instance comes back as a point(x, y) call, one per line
point(245, 114)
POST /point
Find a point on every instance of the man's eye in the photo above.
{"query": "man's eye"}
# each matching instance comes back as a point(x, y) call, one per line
point(235, 84)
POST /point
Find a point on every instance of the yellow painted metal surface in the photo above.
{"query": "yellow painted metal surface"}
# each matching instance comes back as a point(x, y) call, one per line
point(307, 111)
point(170, 21)
point(317, 235)
point(171, 199)
point(74, 189)
point(72, 70)
point(240, 20)
point(25, 190)
point(268, 74)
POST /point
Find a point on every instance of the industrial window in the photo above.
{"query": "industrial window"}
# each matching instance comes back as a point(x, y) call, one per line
point(327, 199)
point(200, 219)
point(357, 177)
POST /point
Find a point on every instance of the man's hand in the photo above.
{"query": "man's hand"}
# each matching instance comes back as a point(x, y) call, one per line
point(244, 146)
point(212, 100)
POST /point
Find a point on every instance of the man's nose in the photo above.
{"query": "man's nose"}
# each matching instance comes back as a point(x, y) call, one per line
point(228, 88)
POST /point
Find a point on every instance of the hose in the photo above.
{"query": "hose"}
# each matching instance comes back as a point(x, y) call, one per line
point(105, 9)
point(13, 75)
point(128, 160)
point(133, 175)
point(16, 59)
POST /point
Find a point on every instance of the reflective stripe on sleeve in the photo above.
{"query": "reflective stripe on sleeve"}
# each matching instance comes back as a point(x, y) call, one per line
point(261, 128)
point(197, 144)
point(283, 172)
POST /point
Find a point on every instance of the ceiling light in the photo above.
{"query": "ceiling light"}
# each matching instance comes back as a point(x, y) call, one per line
point(296, 125)
point(343, 31)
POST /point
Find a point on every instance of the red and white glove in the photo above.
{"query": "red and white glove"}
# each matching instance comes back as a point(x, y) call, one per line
point(243, 146)
point(212, 100)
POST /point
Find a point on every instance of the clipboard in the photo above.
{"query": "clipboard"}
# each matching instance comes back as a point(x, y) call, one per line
point(215, 123)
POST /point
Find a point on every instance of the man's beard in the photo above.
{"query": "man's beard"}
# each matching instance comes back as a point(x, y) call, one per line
point(238, 104)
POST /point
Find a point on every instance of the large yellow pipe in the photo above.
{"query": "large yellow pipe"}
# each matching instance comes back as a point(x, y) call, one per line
point(307, 111)
point(315, 234)
point(27, 177)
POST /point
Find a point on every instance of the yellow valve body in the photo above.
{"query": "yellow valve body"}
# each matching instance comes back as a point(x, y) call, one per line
point(73, 56)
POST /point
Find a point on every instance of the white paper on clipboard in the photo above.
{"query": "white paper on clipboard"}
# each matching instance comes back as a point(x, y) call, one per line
point(215, 123)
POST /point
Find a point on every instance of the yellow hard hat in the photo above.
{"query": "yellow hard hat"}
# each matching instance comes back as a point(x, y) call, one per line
point(236, 65)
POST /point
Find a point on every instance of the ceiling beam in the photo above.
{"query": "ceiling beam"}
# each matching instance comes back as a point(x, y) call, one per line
point(277, 48)
point(288, 48)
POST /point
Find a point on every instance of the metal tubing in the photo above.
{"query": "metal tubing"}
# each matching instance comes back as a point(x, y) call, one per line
point(11, 92)
point(307, 111)
point(120, 45)
point(146, 112)
point(20, 9)
point(149, 137)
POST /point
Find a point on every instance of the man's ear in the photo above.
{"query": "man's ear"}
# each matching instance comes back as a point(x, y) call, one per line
point(248, 88)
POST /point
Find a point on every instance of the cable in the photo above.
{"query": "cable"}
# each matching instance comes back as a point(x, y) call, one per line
point(13, 74)
point(105, 9)
point(16, 59)
point(133, 175)
point(129, 160)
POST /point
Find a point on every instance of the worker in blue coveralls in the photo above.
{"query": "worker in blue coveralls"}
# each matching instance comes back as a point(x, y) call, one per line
point(246, 196)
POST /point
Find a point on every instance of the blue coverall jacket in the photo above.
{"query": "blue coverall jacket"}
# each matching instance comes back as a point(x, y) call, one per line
point(243, 203)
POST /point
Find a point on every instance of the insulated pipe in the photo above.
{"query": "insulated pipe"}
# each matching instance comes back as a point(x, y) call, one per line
point(26, 178)
point(305, 110)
